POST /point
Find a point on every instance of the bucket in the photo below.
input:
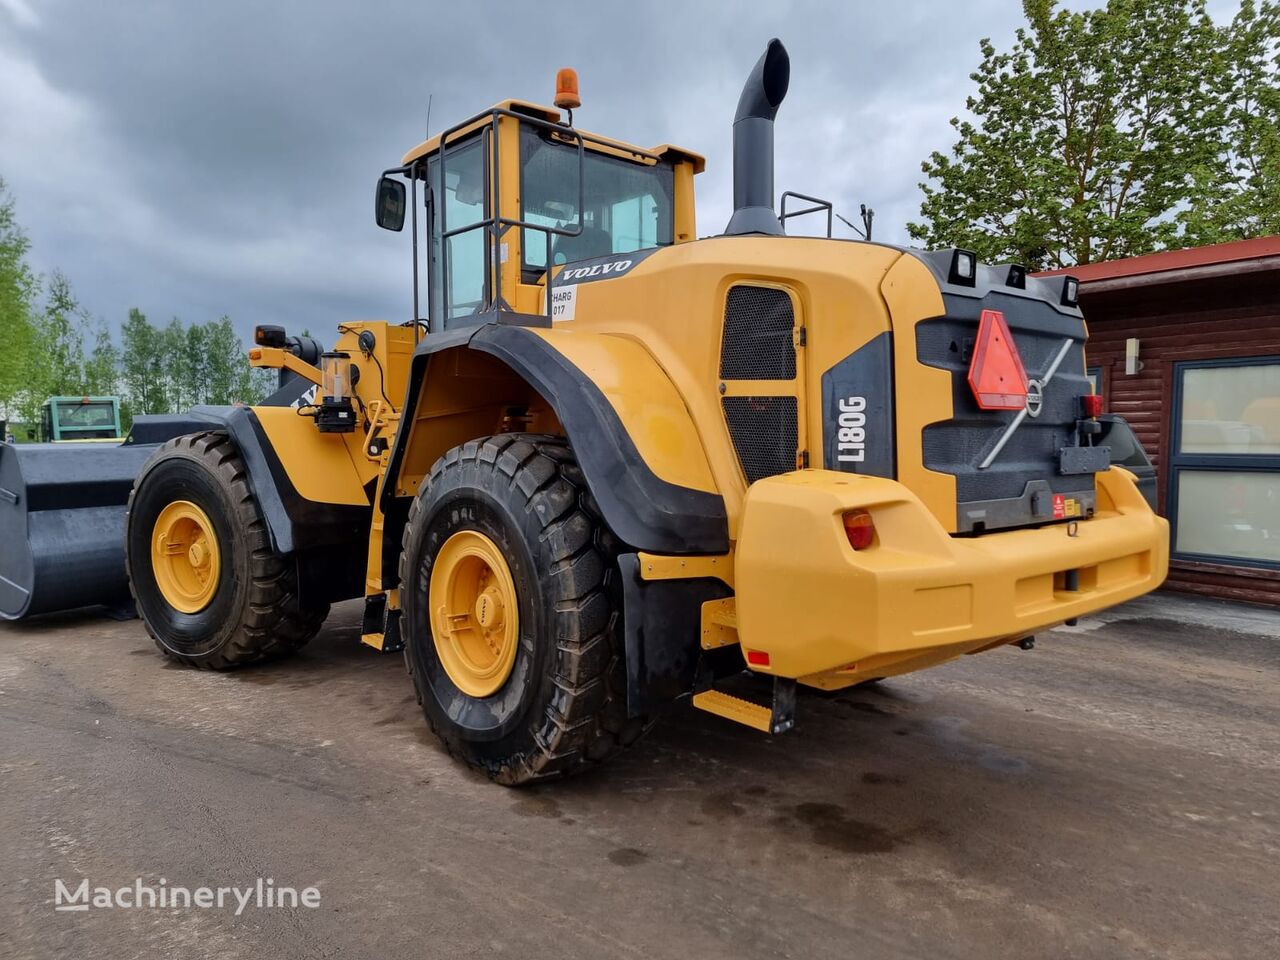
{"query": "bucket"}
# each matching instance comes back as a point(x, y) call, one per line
point(62, 508)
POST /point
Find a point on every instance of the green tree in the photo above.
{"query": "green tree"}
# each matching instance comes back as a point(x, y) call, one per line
point(1241, 197)
point(55, 364)
point(178, 388)
point(227, 368)
point(195, 363)
point(17, 296)
point(141, 365)
point(263, 383)
point(61, 337)
point(102, 365)
point(1088, 137)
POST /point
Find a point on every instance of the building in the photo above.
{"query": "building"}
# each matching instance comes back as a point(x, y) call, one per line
point(1186, 346)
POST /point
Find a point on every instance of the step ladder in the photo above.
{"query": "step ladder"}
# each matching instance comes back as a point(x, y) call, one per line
point(778, 717)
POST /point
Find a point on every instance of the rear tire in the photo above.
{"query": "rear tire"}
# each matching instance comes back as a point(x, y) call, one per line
point(562, 705)
point(253, 611)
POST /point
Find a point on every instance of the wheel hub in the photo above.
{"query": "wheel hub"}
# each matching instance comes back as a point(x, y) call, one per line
point(474, 613)
point(185, 556)
point(489, 609)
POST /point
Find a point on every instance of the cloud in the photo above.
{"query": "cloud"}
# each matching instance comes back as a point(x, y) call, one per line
point(20, 11)
point(200, 159)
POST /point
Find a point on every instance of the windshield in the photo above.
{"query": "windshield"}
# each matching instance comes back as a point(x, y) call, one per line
point(77, 413)
point(627, 206)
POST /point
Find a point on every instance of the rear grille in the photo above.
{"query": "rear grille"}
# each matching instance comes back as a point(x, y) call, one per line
point(958, 445)
point(764, 434)
point(757, 340)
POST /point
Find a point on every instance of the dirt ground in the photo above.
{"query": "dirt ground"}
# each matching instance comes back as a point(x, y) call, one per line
point(1113, 793)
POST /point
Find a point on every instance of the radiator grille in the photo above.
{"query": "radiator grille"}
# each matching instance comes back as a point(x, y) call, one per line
point(764, 434)
point(757, 341)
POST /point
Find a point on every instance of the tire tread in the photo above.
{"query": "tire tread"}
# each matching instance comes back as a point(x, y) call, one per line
point(274, 622)
point(586, 720)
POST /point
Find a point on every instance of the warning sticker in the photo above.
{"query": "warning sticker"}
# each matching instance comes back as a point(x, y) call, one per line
point(1059, 507)
point(564, 300)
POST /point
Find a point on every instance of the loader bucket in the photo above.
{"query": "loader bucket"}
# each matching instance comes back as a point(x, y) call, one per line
point(62, 512)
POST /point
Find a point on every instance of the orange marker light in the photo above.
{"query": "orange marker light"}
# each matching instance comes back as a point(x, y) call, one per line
point(567, 89)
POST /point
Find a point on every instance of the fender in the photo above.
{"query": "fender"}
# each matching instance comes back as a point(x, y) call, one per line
point(294, 523)
point(568, 369)
point(324, 540)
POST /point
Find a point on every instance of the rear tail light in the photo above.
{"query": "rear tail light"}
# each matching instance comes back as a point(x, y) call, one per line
point(1092, 404)
point(860, 529)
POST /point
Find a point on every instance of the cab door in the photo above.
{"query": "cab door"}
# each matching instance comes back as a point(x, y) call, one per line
point(459, 281)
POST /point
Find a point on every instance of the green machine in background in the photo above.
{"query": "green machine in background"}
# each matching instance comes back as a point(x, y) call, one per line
point(80, 418)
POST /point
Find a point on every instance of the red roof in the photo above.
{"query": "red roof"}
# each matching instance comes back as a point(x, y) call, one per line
point(1174, 260)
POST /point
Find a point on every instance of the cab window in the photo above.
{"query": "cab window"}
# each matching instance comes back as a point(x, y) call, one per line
point(626, 205)
point(87, 415)
point(459, 204)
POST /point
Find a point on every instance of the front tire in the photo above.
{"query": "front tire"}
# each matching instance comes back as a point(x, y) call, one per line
point(554, 701)
point(202, 572)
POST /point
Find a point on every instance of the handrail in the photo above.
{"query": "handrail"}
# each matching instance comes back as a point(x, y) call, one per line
point(819, 205)
point(495, 224)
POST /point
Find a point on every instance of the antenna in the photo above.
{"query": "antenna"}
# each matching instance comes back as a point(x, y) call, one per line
point(430, 96)
point(867, 216)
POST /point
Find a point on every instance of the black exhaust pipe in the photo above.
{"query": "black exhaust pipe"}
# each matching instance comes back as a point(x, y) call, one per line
point(753, 144)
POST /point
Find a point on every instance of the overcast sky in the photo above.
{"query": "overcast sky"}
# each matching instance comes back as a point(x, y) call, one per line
point(195, 159)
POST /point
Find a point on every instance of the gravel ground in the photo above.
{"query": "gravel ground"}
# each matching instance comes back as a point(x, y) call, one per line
point(1113, 793)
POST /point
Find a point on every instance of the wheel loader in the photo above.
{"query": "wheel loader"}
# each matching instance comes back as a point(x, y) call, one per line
point(613, 465)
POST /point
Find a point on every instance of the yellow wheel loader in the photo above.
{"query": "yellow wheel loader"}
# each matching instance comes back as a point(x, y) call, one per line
point(616, 465)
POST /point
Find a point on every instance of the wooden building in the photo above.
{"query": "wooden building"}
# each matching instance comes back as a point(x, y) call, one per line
point(1186, 346)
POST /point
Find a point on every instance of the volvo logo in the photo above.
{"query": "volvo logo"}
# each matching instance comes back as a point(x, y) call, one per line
point(1035, 397)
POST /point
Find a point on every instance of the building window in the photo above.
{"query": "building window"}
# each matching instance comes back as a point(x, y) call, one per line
point(1094, 376)
point(1225, 461)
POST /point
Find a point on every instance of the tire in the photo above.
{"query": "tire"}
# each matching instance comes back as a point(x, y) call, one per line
point(254, 611)
point(562, 708)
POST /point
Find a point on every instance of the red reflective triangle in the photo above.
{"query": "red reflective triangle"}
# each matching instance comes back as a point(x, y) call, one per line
point(996, 375)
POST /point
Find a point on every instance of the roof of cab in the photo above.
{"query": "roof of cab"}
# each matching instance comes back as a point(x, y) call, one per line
point(552, 115)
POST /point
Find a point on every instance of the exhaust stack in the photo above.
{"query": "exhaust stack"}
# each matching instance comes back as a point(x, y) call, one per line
point(753, 144)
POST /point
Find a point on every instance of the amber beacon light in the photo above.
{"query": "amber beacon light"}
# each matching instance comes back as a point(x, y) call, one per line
point(567, 89)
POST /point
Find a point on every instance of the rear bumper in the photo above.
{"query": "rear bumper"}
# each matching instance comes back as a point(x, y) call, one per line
point(831, 616)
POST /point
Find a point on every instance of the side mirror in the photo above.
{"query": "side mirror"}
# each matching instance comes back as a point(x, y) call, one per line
point(388, 207)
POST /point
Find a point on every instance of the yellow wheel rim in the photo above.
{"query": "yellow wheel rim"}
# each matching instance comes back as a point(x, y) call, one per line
point(475, 617)
point(185, 556)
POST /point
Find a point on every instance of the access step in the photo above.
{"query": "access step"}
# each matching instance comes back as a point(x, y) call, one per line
point(380, 628)
point(778, 718)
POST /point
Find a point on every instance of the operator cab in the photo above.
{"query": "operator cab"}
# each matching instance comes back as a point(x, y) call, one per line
point(516, 186)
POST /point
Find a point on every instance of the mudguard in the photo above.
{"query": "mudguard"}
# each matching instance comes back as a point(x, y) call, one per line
point(644, 510)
